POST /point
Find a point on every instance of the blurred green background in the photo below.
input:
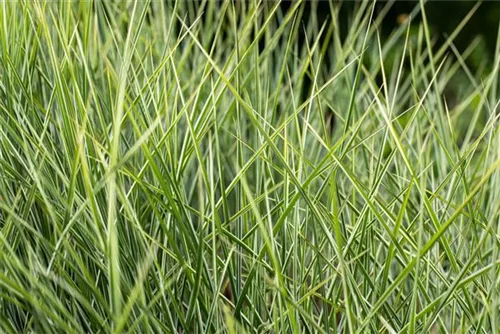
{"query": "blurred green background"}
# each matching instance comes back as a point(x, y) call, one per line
point(445, 16)
point(482, 20)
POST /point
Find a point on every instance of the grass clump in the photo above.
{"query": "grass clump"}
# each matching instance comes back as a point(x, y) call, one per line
point(160, 171)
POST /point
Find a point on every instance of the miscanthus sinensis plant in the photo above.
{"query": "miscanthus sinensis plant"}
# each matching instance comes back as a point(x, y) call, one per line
point(160, 172)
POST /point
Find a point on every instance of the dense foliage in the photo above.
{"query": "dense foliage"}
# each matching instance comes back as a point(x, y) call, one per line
point(162, 171)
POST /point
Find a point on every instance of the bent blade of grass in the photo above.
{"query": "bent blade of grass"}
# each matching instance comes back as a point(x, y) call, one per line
point(112, 240)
